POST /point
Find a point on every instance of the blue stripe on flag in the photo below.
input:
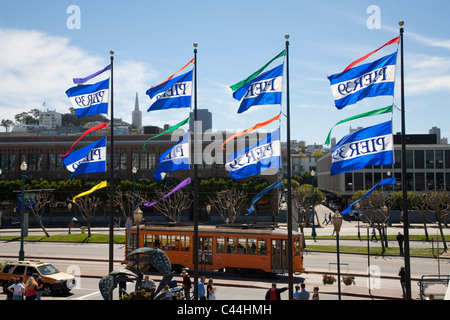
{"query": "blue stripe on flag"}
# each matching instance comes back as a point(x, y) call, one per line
point(176, 158)
point(90, 99)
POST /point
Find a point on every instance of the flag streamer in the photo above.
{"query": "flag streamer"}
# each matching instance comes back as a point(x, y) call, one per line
point(256, 198)
point(255, 127)
point(183, 184)
point(171, 129)
point(83, 80)
point(382, 183)
point(192, 61)
point(361, 115)
point(95, 188)
point(100, 126)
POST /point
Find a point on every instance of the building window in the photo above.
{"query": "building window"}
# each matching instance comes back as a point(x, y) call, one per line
point(447, 159)
point(430, 159)
point(430, 181)
point(409, 159)
point(419, 159)
point(439, 154)
point(348, 182)
point(358, 181)
point(439, 181)
point(368, 180)
point(419, 181)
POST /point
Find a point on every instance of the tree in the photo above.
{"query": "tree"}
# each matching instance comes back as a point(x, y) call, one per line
point(7, 124)
point(87, 206)
point(173, 205)
point(438, 202)
point(40, 202)
point(229, 203)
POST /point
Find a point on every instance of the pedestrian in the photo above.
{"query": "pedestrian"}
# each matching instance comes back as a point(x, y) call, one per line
point(296, 294)
point(374, 235)
point(201, 292)
point(148, 283)
point(211, 291)
point(325, 219)
point(400, 239)
point(329, 218)
point(304, 294)
point(273, 293)
point(17, 289)
point(9, 293)
point(187, 283)
point(40, 286)
point(401, 274)
point(315, 293)
point(31, 289)
point(168, 295)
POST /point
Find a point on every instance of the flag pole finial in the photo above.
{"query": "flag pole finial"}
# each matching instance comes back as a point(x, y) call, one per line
point(401, 23)
point(111, 52)
point(286, 36)
point(195, 44)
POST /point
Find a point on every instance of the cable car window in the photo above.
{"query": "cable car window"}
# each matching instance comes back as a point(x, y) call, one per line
point(251, 246)
point(220, 244)
point(231, 245)
point(241, 245)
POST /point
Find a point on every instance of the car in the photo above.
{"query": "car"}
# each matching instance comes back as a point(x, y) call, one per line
point(54, 280)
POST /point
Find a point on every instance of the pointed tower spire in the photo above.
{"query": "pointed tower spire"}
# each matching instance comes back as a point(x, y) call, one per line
point(136, 116)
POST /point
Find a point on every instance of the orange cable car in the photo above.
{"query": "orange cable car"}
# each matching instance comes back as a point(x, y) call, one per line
point(245, 249)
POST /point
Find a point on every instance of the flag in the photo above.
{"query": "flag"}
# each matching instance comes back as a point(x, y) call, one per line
point(90, 99)
point(83, 80)
point(368, 80)
point(175, 158)
point(381, 183)
point(257, 158)
point(181, 185)
point(361, 115)
point(89, 159)
point(100, 126)
point(263, 90)
point(174, 93)
point(95, 188)
point(242, 83)
point(369, 146)
point(256, 198)
point(171, 129)
point(255, 127)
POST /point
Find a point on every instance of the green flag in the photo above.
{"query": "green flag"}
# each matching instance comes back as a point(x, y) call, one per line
point(175, 127)
point(239, 85)
point(361, 115)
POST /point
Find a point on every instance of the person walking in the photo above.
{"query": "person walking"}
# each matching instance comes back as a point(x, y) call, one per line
point(201, 289)
point(304, 294)
point(325, 219)
point(211, 291)
point(400, 239)
point(401, 274)
point(273, 293)
point(374, 235)
point(187, 283)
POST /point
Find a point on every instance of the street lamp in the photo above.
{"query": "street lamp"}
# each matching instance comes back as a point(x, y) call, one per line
point(69, 207)
point(137, 216)
point(313, 234)
point(358, 208)
point(385, 211)
point(23, 168)
point(134, 170)
point(208, 211)
point(337, 223)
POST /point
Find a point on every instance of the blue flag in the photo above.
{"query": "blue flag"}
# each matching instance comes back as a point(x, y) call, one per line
point(90, 99)
point(175, 158)
point(263, 90)
point(369, 146)
point(174, 93)
point(368, 80)
point(257, 158)
point(256, 198)
point(89, 159)
point(382, 183)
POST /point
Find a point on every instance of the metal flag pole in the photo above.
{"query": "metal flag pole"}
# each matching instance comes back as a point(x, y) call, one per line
point(195, 180)
point(111, 168)
point(404, 178)
point(289, 185)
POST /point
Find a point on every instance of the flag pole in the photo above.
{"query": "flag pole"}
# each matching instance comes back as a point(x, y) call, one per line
point(111, 168)
point(196, 244)
point(404, 177)
point(289, 184)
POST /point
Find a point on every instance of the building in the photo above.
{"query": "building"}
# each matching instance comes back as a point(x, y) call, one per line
point(50, 119)
point(427, 163)
point(136, 116)
point(205, 117)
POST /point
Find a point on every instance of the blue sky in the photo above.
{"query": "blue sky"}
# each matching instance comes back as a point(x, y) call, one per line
point(40, 55)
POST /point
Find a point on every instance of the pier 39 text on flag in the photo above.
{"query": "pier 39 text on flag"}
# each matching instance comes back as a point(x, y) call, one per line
point(175, 158)
point(368, 80)
point(263, 90)
point(369, 146)
point(90, 99)
point(257, 158)
point(91, 158)
point(174, 93)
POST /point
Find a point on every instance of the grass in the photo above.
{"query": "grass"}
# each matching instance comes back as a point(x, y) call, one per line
point(422, 252)
point(76, 238)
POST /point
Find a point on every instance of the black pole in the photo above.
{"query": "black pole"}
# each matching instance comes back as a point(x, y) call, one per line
point(195, 180)
point(338, 265)
point(404, 178)
point(289, 185)
point(111, 168)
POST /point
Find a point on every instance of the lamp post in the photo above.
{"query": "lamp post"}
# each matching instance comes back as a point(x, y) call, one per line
point(208, 211)
point(337, 223)
point(137, 216)
point(23, 168)
point(358, 208)
point(134, 170)
point(313, 234)
point(69, 206)
point(385, 211)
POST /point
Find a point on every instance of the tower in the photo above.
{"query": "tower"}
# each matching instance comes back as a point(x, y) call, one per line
point(136, 117)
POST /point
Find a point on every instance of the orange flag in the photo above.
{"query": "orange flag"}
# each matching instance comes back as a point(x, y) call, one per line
point(259, 125)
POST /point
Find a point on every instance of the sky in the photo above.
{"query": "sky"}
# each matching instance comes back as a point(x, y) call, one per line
point(45, 44)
